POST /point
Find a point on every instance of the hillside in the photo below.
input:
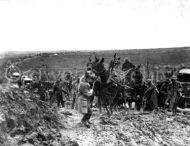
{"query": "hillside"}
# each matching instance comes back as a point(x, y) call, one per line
point(78, 59)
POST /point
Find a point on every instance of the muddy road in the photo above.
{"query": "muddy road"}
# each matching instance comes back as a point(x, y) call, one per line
point(127, 128)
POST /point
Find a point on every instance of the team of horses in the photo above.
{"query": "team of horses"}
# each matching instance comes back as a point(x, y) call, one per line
point(112, 93)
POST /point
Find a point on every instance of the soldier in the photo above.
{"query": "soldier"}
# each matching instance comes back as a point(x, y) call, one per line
point(127, 65)
point(68, 80)
point(174, 89)
point(51, 94)
point(151, 94)
point(85, 84)
point(41, 90)
point(75, 87)
point(84, 102)
point(57, 90)
point(164, 92)
point(38, 87)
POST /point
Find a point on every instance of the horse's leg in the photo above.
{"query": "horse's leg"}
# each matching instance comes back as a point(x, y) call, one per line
point(99, 104)
point(111, 108)
point(92, 101)
point(74, 100)
point(115, 106)
point(129, 103)
point(124, 97)
point(108, 112)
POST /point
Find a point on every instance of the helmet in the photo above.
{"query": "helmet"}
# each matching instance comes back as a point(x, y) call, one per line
point(126, 59)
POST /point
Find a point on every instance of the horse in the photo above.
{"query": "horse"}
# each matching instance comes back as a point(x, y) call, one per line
point(137, 87)
point(107, 91)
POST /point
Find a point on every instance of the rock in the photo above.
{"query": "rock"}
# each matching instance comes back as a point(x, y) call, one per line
point(71, 143)
point(55, 143)
point(11, 121)
point(2, 118)
point(27, 144)
point(30, 138)
point(58, 134)
point(67, 113)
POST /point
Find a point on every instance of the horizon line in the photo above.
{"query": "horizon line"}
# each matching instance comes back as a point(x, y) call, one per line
point(89, 50)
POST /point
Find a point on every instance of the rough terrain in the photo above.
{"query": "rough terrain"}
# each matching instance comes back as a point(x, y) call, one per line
point(129, 128)
point(27, 122)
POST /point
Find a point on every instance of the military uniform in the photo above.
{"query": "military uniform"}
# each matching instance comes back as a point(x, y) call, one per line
point(151, 94)
point(173, 94)
point(127, 65)
point(58, 93)
point(164, 92)
point(41, 90)
point(84, 94)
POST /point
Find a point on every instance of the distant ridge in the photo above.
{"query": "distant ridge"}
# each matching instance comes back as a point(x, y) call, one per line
point(78, 59)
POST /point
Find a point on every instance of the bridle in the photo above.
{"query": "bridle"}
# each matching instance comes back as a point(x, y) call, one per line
point(101, 73)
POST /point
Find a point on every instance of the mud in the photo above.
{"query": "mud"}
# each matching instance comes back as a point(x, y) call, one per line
point(123, 128)
point(128, 128)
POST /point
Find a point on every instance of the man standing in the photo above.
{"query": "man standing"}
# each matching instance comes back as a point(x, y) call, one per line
point(89, 77)
point(84, 102)
point(127, 65)
point(84, 97)
point(174, 89)
point(164, 92)
point(151, 95)
point(57, 90)
point(41, 90)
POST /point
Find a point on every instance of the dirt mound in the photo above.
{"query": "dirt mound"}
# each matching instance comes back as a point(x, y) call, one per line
point(23, 115)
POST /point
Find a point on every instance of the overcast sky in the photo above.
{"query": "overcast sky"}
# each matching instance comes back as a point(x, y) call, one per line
point(93, 24)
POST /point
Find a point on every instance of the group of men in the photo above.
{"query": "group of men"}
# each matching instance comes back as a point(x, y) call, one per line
point(170, 93)
point(48, 90)
point(167, 95)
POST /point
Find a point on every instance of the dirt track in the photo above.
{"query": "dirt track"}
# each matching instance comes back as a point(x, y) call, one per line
point(128, 128)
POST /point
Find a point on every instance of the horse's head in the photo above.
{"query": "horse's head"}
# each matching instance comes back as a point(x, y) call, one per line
point(137, 70)
point(98, 66)
point(137, 76)
point(89, 64)
point(116, 60)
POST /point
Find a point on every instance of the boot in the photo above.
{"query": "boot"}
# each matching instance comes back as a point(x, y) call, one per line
point(86, 124)
point(84, 121)
point(88, 118)
point(63, 103)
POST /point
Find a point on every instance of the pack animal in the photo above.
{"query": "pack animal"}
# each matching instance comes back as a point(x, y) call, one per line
point(107, 91)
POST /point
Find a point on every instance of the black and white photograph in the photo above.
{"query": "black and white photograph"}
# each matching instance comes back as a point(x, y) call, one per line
point(94, 72)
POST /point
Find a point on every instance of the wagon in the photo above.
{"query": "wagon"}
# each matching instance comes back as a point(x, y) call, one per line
point(183, 78)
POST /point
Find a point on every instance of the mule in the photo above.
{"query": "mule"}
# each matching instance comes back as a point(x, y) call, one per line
point(105, 89)
point(137, 87)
